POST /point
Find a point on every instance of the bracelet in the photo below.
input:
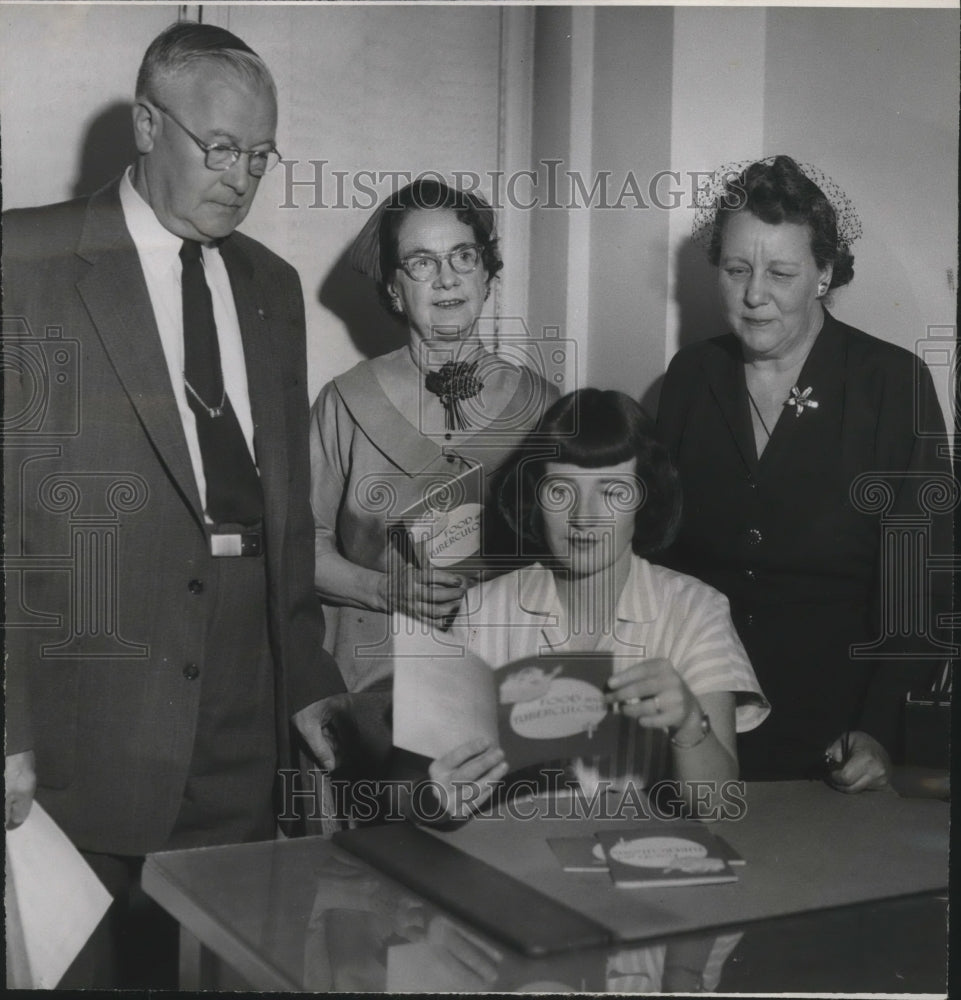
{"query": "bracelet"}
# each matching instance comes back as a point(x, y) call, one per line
point(705, 725)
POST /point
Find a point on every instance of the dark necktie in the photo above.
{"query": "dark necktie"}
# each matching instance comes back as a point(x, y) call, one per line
point(233, 487)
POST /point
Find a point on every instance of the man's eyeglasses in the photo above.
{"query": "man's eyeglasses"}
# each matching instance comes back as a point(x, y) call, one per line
point(426, 266)
point(218, 156)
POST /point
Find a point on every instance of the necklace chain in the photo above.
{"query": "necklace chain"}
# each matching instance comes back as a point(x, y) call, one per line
point(757, 410)
point(212, 411)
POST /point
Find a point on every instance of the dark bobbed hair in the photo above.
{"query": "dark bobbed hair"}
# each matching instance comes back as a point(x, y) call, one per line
point(186, 44)
point(432, 193)
point(594, 428)
point(779, 192)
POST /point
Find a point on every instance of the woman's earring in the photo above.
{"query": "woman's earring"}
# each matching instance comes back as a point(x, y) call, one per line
point(822, 288)
point(395, 304)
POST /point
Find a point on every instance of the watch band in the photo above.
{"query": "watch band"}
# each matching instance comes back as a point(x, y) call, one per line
point(705, 731)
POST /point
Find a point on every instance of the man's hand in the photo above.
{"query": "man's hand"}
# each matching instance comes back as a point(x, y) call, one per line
point(20, 782)
point(348, 730)
point(317, 725)
point(866, 766)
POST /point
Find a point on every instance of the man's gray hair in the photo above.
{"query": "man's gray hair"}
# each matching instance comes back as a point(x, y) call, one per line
point(188, 44)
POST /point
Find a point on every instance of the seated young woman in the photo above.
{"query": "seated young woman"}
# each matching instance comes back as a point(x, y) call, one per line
point(591, 495)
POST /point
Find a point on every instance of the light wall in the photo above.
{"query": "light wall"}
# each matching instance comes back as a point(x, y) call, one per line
point(629, 253)
point(874, 103)
point(870, 96)
point(66, 81)
point(382, 89)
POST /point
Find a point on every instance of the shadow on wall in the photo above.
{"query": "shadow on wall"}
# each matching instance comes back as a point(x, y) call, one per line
point(353, 299)
point(107, 149)
point(651, 396)
point(700, 314)
point(696, 295)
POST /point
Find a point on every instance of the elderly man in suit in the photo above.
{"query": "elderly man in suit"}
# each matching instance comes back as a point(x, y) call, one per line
point(162, 626)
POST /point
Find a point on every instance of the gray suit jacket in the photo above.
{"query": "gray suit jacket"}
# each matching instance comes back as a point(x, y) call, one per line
point(105, 533)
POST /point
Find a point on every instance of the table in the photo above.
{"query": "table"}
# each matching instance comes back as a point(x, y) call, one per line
point(304, 915)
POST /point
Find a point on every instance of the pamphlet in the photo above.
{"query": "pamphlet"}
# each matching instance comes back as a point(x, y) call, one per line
point(444, 528)
point(662, 854)
point(586, 854)
point(537, 709)
point(579, 854)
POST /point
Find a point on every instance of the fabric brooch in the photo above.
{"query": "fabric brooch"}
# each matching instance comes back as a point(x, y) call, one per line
point(456, 381)
point(799, 400)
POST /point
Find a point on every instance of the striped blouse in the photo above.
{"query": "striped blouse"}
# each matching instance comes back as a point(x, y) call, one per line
point(660, 613)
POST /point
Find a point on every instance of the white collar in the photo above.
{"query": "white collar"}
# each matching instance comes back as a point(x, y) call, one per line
point(146, 230)
point(638, 601)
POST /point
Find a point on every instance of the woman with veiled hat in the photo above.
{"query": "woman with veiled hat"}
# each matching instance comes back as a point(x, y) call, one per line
point(437, 407)
point(778, 429)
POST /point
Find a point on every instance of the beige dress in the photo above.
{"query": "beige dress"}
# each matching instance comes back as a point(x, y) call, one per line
point(369, 462)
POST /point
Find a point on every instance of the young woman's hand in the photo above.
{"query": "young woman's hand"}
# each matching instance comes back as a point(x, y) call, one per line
point(467, 776)
point(654, 693)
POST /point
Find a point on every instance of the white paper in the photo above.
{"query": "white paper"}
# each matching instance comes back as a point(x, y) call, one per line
point(59, 900)
point(441, 702)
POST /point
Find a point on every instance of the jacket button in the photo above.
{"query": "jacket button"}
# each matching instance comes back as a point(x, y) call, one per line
point(191, 671)
point(196, 586)
point(750, 574)
point(749, 619)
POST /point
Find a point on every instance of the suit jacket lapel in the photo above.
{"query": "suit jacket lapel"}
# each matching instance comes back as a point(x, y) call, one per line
point(823, 372)
point(115, 294)
point(264, 383)
point(725, 374)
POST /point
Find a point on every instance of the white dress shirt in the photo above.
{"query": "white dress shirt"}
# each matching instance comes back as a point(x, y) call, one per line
point(159, 253)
